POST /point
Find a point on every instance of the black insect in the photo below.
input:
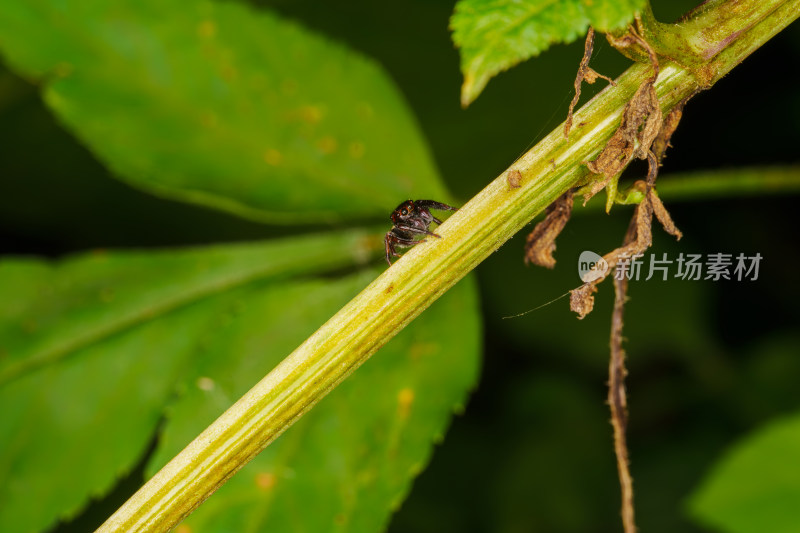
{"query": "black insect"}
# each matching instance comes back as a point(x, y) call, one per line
point(411, 218)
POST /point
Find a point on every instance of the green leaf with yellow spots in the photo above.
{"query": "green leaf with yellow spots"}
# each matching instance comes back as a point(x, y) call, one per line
point(91, 349)
point(495, 35)
point(349, 462)
point(100, 350)
point(220, 104)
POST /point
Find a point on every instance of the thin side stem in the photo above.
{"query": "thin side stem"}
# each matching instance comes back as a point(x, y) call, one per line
point(752, 181)
point(712, 184)
point(618, 403)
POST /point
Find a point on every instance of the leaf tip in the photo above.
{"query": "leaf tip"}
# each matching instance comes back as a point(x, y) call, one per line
point(471, 88)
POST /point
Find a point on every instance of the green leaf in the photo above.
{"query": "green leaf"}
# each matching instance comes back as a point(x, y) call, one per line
point(91, 349)
point(47, 312)
point(94, 349)
point(353, 456)
point(756, 486)
point(609, 15)
point(495, 35)
point(223, 105)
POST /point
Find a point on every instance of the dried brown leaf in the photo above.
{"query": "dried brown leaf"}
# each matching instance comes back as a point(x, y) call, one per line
point(615, 156)
point(584, 73)
point(581, 300)
point(541, 242)
point(640, 124)
point(663, 215)
point(633, 46)
point(591, 75)
point(646, 118)
point(661, 143)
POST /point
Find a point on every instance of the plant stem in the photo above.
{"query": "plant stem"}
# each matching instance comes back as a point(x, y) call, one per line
point(693, 186)
point(711, 184)
point(414, 282)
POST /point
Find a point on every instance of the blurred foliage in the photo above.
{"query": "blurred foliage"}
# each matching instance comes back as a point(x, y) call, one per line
point(709, 362)
point(494, 36)
point(756, 486)
point(222, 105)
point(99, 347)
point(94, 346)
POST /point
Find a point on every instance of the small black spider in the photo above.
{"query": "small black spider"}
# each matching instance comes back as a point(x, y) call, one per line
point(410, 218)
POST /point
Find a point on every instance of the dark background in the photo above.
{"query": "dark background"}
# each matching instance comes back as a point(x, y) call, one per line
point(709, 361)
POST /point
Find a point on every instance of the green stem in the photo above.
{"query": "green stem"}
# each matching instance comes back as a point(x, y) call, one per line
point(730, 182)
point(712, 29)
point(406, 289)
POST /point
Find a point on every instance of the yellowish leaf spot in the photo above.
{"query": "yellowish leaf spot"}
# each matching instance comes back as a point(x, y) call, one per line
point(405, 398)
point(311, 114)
point(183, 528)
point(207, 29)
point(205, 383)
point(273, 157)
point(265, 480)
point(327, 145)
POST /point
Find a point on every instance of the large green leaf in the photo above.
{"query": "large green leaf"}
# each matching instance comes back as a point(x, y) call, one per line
point(49, 311)
point(97, 346)
point(756, 486)
point(92, 347)
point(495, 35)
point(223, 105)
point(347, 464)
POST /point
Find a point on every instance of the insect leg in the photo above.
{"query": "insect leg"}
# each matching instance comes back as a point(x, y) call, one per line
point(430, 204)
point(413, 229)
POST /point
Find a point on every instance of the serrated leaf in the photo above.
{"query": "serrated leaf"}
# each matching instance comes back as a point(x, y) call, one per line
point(353, 456)
point(91, 349)
point(608, 15)
point(495, 35)
point(223, 105)
point(756, 486)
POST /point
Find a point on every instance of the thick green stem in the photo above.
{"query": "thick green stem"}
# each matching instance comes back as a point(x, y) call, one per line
point(409, 287)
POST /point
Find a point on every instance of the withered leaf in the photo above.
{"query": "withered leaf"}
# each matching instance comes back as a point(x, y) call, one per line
point(663, 215)
point(584, 73)
point(647, 117)
point(581, 300)
point(661, 143)
point(634, 47)
point(641, 121)
point(541, 242)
